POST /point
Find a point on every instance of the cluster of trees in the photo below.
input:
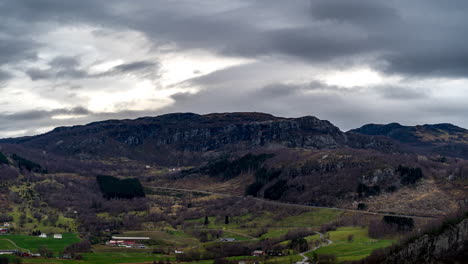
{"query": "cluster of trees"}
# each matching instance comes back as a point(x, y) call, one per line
point(3, 159)
point(262, 177)
point(113, 187)
point(404, 224)
point(76, 249)
point(228, 169)
point(277, 190)
point(5, 218)
point(366, 191)
point(390, 225)
point(409, 175)
point(27, 164)
point(299, 244)
point(8, 260)
point(45, 251)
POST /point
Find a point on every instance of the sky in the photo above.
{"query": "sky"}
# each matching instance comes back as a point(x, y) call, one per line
point(352, 62)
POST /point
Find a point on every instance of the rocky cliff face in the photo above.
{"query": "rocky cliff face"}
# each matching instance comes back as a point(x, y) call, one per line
point(446, 247)
point(166, 135)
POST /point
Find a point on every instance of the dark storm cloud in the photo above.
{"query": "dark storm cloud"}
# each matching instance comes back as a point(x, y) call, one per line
point(401, 38)
point(362, 12)
point(417, 39)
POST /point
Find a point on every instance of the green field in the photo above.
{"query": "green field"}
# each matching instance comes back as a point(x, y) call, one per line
point(105, 258)
point(33, 243)
point(5, 244)
point(360, 247)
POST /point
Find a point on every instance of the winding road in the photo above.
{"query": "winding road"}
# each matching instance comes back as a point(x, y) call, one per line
point(303, 254)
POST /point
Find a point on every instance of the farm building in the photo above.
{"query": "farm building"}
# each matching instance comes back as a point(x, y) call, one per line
point(58, 236)
point(129, 242)
point(8, 252)
point(3, 231)
point(130, 238)
point(43, 235)
point(227, 239)
point(258, 253)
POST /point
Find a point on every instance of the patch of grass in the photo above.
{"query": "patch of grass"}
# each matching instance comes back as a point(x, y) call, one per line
point(6, 245)
point(107, 258)
point(360, 247)
point(314, 218)
point(275, 233)
point(33, 243)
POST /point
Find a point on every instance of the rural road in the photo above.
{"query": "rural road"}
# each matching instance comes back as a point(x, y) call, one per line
point(328, 242)
point(293, 205)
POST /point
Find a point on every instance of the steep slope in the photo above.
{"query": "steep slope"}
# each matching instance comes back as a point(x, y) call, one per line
point(174, 138)
point(446, 244)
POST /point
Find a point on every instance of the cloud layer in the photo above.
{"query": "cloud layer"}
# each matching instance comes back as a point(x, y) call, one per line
point(352, 62)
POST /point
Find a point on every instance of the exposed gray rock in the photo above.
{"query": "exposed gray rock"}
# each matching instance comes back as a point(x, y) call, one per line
point(432, 249)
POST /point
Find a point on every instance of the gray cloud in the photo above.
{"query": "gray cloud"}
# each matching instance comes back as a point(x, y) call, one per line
point(403, 93)
point(70, 68)
point(4, 76)
point(282, 89)
point(16, 50)
point(144, 68)
point(419, 40)
point(33, 121)
point(393, 32)
point(362, 12)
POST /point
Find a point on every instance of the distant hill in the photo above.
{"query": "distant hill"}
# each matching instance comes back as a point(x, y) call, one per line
point(444, 139)
point(438, 133)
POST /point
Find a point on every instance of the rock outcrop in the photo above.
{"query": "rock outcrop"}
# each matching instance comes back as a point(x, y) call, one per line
point(445, 247)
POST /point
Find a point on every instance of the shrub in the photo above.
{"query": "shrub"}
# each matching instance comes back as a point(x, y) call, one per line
point(361, 206)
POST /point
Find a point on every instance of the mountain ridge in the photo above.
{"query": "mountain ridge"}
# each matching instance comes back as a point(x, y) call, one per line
point(170, 136)
point(177, 136)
